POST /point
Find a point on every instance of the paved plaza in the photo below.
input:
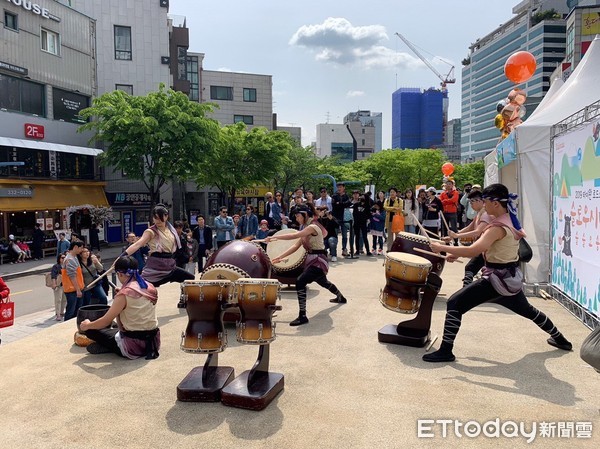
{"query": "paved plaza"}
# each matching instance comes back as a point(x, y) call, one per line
point(342, 387)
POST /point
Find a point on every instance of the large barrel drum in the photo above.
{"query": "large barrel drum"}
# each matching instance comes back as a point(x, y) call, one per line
point(237, 259)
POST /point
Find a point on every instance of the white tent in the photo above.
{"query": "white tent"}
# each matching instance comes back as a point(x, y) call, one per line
point(581, 89)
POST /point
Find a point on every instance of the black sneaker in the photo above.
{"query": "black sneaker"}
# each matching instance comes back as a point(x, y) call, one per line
point(299, 321)
point(560, 343)
point(439, 356)
point(97, 348)
point(338, 300)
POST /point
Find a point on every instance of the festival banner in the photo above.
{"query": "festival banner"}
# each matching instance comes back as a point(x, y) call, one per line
point(576, 216)
point(506, 151)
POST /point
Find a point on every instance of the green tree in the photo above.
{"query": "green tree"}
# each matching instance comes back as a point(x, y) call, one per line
point(473, 172)
point(243, 159)
point(296, 169)
point(153, 138)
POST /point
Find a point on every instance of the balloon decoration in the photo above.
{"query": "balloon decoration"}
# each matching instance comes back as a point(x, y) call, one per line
point(510, 112)
point(520, 66)
point(447, 169)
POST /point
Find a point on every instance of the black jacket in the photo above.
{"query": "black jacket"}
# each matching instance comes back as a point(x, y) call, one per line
point(208, 236)
point(338, 204)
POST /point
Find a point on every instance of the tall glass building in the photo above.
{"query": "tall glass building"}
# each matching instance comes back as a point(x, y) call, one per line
point(418, 118)
point(484, 83)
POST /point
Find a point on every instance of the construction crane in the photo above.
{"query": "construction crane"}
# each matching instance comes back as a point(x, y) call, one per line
point(448, 79)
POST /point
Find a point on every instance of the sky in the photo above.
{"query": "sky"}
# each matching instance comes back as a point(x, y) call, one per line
point(329, 58)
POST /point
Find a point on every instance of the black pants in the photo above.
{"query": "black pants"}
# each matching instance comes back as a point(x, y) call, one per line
point(312, 274)
point(106, 338)
point(177, 275)
point(360, 230)
point(480, 292)
point(472, 268)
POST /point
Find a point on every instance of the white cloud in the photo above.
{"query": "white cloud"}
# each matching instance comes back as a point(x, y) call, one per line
point(336, 40)
point(355, 93)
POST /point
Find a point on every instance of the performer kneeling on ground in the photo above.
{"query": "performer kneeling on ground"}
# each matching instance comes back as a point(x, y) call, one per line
point(315, 265)
point(473, 230)
point(134, 307)
point(163, 241)
point(502, 280)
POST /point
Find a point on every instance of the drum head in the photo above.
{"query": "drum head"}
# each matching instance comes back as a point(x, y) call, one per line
point(414, 237)
point(278, 247)
point(408, 259)
point(223, 271)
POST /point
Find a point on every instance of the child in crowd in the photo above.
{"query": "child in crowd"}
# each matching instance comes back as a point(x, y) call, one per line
point(25, 248)
point(377, 226)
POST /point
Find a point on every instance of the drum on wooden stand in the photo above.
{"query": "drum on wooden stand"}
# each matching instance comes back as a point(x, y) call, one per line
point(401, 297)
point(406, 242)
point(206, 299)
point(256, 300)
point(293, 265)
point(406, 267)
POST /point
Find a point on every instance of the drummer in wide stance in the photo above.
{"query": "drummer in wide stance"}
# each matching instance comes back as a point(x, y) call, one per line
point(502, 281)
point(311, 237)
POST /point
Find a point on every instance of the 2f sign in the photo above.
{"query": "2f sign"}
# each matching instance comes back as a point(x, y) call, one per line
point(34, 131)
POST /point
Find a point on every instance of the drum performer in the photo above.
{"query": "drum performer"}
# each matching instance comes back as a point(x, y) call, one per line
point(134, 307)
point(502, 281)
point(473, 230)
point(315, 266)
point(163, 241)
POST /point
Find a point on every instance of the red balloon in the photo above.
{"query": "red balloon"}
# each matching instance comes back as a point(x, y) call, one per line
point(447, 169)
point(520, 66)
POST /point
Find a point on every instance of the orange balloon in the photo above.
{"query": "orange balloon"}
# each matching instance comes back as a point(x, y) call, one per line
point(520, 66)
point(447, 169)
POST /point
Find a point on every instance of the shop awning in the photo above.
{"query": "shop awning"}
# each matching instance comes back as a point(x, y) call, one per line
point(48, 146)
point(47, 196)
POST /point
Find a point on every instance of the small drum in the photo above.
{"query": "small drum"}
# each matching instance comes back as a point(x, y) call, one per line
point(205, 332)
point(237, 259)
point(466, 241)
point(293, 265)
point(401, 297)
point(257, 300)
point(407, 267)
point(406, 242)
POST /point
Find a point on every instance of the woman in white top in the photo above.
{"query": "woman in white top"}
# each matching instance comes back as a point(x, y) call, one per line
point(311, 237)
point(411, 210)
point(163, 241)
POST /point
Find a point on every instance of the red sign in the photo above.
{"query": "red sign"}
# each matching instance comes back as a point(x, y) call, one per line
point(34, 131)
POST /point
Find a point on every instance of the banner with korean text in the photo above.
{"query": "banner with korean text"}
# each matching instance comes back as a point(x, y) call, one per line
point(576, 216)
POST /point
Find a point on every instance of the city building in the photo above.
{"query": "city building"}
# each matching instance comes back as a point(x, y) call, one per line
point(365, 126)
point(418, 118)
point(583, 24)
point(335, 140)
point(47, 75)
point(483, 81)
point(452, 147)
point(242, 97)
point(137, 46)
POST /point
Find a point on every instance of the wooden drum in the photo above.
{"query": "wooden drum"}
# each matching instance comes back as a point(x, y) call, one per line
point(407, 267)
point(401, 297)
point(205, 332)
point(257, 300)
point(466, 241)
point(406, 242)
point(237, 259)
point(293, 266)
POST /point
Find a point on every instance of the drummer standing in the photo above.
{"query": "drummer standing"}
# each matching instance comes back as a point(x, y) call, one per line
point(315, 266)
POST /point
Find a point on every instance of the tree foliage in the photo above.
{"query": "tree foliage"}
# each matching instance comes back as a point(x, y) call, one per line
point(243, 159)
point(296, 169)
point(153, 138)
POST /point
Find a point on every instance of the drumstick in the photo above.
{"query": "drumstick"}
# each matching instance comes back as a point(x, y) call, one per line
point(423, 230)
point(445, 222)
point(98, 279)
point(424, 251)
point(433, 340)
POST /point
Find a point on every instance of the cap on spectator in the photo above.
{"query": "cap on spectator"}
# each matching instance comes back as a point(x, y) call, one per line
point(264, 222)
point(476, 186)
point(431, 189)
point(11, 237)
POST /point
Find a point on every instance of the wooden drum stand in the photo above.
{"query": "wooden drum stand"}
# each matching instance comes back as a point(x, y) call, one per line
point(255, 389)
point(414, 332)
